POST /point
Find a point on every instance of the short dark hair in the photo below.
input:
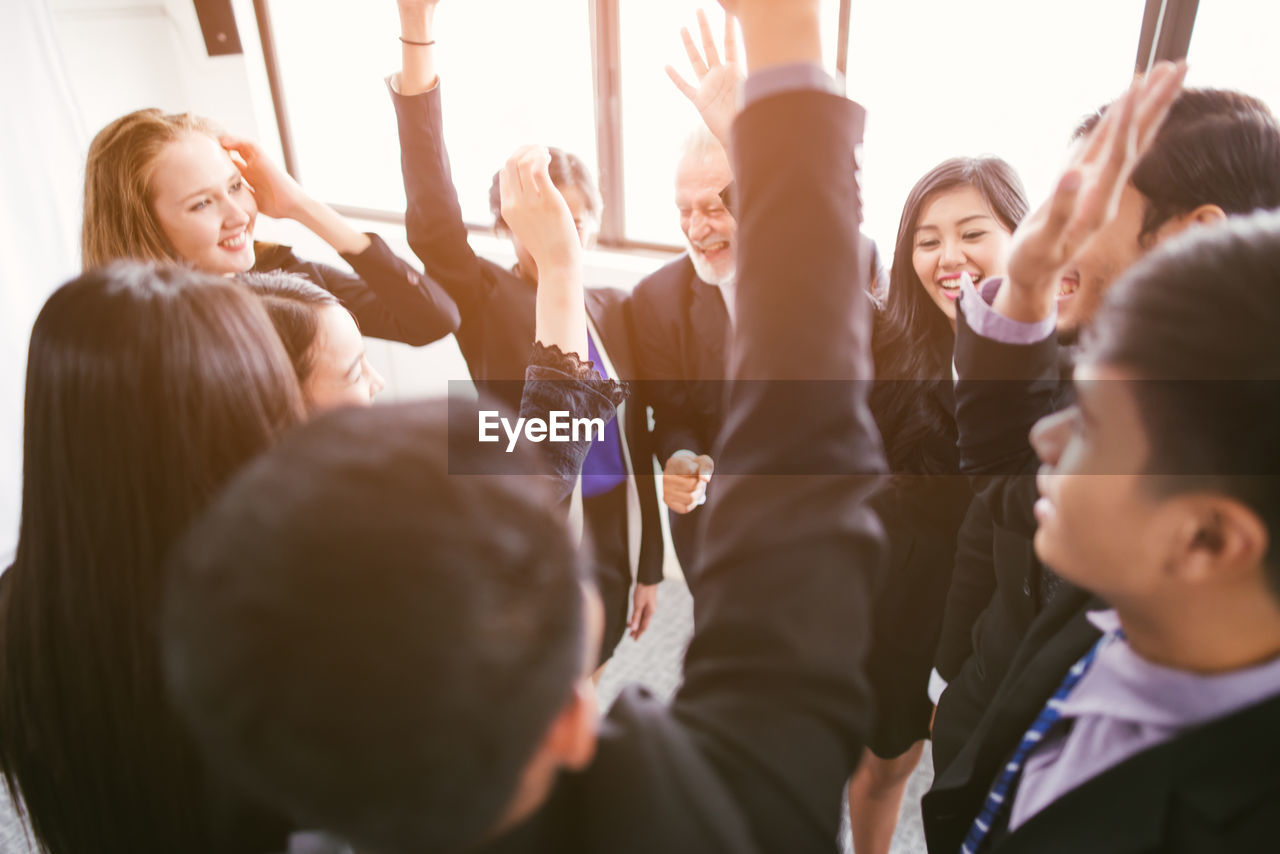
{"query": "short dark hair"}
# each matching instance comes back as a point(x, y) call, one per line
point(1216, 147)
point(1196, 321)
point(292, 302)
point(146, 389)
point(566, 170)
point(369, 643)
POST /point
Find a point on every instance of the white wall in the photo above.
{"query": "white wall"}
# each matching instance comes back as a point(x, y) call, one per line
point(41, 140)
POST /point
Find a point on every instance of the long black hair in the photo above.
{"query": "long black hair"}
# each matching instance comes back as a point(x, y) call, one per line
point(146, 389)
point(913, 339)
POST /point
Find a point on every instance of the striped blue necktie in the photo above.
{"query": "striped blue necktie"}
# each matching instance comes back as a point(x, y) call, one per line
point(997, 798)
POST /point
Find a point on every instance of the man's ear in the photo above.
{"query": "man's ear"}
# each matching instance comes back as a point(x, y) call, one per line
point(1203, 215)
point(572, 737)
point(1224, 539)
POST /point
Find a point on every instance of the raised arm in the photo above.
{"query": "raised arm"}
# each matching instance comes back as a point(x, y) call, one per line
point(557, 378)
point(1087, 195)
point(388, 297)
point(1006, 353)
point(433, 218)
point(790, 547)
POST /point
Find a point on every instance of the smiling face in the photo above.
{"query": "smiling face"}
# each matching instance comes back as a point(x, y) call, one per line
point(710, 231)
point(958, 233)
point(204, 207)
point(340, 371)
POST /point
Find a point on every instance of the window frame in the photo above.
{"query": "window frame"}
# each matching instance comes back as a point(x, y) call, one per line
point(1167, 27)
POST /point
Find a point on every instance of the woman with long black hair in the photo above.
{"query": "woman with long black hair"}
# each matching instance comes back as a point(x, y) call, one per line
point(146, 390)
point(957, 222)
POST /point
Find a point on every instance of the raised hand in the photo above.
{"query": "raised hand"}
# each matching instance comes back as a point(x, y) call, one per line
point(1087, 195)
point(539, 218)
point(274, 190)
point(536, 212)
point(716, 94)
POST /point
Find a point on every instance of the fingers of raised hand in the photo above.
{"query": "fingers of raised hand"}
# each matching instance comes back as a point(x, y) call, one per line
point(1161, 88)
point(688, 91)
point(708, 41)
point(730, 39)
point(534, 170)
point(517, 183)
point(691, 50)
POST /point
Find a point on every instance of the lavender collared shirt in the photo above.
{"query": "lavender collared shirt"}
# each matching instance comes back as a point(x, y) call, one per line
point(991, 324)
point(1123, 706)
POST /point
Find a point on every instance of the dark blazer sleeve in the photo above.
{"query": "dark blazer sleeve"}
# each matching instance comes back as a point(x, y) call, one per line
point(433, 219)
point(772, 681)
point(973, 583)
point(388, 298)
point(1002, 391)
point(665, 387)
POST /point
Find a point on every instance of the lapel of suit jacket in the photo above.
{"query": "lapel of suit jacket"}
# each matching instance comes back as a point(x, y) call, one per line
point(604, 309)
point(1206, 778)
point(1055, 641)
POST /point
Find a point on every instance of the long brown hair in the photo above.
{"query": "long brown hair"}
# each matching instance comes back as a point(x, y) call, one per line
point(146, 390)
point(119, 221)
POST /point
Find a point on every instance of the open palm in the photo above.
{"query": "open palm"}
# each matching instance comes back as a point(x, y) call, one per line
point(716, 94)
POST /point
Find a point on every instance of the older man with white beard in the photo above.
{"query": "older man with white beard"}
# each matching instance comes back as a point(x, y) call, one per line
point(682, 315)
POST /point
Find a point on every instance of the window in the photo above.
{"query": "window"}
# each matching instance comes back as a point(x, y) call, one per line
point(1005, 77)
point(528, 80)
point(938, 79)
point(1233, 47)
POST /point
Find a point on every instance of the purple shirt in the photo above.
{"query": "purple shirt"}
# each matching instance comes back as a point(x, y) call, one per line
point(991, 324)
point(1123, 706)
point(603, 469)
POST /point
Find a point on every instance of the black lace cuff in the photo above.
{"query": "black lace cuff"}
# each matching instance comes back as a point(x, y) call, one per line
point(582, 370)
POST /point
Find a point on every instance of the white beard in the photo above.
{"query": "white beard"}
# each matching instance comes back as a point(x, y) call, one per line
point(705, 270)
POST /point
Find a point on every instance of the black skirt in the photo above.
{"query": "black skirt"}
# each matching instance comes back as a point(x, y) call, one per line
point(921, 520)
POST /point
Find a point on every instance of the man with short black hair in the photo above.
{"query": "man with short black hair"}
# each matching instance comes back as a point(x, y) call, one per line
point(1149, 726)
point(1216, 156)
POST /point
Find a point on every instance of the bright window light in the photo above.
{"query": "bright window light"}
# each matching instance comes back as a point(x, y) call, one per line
point(512, 72)
point(1233, 47)
point(942, 79)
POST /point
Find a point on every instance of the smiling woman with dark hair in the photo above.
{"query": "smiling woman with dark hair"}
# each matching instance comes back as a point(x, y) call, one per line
point(958, 221)
point(146, 390)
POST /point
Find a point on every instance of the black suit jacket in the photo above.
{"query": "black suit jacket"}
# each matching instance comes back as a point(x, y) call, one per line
point(1214, 788)
point(1002, 391)
point(754, 752)
point(388, 298)
point(497, 306)
point(682, 343)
